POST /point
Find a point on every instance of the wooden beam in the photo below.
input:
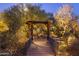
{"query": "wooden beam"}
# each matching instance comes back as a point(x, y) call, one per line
point(35, 22)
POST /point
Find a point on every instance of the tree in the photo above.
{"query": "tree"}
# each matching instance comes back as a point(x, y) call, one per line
point(65, 28)
point(16, 18)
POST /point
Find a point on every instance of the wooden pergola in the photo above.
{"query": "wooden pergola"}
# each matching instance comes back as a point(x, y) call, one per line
point(50, 40)
point(30, 24)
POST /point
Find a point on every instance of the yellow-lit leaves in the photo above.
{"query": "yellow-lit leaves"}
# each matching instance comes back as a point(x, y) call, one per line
point(22, 34)
point(71, 39)
point(3, 26)
point(75, 25)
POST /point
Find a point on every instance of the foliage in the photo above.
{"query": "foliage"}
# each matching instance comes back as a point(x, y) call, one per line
point(14, 32)
point(3, 26)
point(15, 17)
point(67, 28)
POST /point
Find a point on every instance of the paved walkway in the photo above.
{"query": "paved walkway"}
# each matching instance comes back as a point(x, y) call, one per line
point(40, 47)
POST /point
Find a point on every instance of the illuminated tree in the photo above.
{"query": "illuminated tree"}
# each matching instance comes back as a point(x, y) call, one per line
point(66, 28)
point(16, 18)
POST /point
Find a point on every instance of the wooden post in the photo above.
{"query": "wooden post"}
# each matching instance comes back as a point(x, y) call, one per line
point(31, 30)
point(48, 30)
point(27, 45)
